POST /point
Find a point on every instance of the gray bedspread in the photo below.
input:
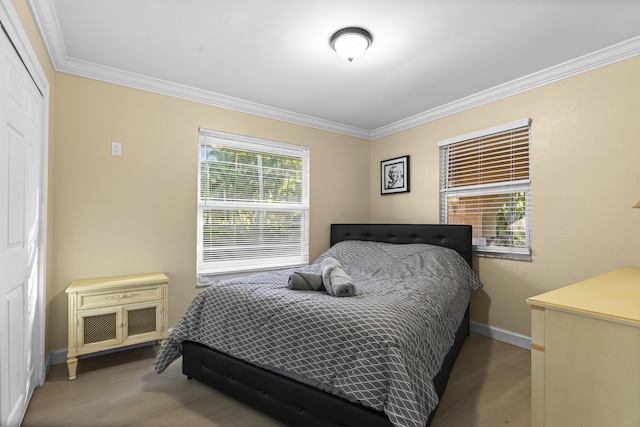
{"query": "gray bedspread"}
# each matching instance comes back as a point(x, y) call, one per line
point(381, 347)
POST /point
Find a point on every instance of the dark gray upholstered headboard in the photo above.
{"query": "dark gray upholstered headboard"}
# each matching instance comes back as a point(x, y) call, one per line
point(456, 237)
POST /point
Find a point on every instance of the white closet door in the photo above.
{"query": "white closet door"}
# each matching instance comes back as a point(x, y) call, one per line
point(21, 154)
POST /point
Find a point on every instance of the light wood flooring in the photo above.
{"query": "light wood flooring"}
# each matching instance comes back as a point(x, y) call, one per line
point(489, 386)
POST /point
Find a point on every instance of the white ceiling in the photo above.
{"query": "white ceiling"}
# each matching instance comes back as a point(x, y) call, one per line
point(429, 58)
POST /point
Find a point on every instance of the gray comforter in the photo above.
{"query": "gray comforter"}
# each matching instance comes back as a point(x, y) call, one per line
point(381, 347)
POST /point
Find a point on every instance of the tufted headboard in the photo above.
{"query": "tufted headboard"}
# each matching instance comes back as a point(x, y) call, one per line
point(456, 237)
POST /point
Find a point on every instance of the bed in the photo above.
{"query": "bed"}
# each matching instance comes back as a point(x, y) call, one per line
point(349, 388)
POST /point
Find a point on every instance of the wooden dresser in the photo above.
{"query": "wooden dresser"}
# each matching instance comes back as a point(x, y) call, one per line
point(112, 312)
point(585, 353)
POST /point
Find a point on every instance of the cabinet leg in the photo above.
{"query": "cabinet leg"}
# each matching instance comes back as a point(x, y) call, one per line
point(72, 365)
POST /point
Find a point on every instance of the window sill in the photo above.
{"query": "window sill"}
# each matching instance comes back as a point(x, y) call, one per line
point(505, 256)
point(205, 280)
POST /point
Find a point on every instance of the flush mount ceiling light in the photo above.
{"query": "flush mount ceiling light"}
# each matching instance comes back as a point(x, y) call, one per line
point(351, 43)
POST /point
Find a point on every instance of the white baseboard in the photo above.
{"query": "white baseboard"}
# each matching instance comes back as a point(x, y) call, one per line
point(503, 335)
point(58, 357)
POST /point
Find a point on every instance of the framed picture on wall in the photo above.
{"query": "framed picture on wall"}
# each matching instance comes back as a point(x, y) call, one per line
point(394, 175)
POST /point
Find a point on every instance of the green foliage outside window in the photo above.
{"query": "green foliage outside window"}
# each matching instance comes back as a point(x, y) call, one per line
point(266, 183)
point(510, 229)
point(232, 175)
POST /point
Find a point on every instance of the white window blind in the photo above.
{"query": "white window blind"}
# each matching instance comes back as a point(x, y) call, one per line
point(485, 181)
point(253, 204)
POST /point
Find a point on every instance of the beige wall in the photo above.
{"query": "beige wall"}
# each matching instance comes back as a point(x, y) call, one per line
point(585, 155)
point(137, 213)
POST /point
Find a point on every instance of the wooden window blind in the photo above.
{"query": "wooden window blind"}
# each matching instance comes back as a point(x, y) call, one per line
point(253, 204)
point(485, 181)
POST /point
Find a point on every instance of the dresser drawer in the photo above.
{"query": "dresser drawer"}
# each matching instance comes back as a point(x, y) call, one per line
point(118, 297)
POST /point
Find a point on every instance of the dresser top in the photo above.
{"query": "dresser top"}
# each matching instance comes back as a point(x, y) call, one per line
point(614, 295)
point(117, 281)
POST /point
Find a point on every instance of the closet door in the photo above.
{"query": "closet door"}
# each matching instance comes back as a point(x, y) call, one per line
point(21, 154)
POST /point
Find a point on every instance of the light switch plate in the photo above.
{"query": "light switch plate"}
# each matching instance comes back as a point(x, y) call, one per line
point(116, 149)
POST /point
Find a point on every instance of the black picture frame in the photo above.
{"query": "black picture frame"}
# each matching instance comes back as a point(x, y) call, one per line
point(394, 175)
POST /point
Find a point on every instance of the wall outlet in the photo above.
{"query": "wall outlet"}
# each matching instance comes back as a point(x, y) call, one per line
point(116, 149)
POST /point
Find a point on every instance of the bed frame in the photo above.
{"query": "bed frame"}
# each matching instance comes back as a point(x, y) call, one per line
point(297, 404)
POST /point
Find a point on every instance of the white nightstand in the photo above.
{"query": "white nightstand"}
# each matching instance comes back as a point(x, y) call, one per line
point(112, 312)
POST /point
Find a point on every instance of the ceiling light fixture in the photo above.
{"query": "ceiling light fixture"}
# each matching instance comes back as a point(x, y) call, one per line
point(351, 43)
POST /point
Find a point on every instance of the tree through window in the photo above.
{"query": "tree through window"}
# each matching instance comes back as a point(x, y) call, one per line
point(253, 204)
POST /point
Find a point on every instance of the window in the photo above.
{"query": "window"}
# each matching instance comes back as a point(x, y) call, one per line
point(485, 182)
point(253, 204)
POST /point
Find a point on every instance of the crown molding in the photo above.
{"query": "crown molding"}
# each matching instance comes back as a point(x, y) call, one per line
point(44, 14)
point(47, 22)
point(189, 93)
point(11, 25)
point(600, 58)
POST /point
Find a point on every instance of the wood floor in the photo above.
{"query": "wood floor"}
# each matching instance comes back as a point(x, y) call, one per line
point(489, 386)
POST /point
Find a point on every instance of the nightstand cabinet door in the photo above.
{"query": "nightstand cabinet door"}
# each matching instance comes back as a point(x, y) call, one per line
point(98, 329)
point(142, 322)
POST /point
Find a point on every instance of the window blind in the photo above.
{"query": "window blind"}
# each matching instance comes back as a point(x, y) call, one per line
point(485, 181)
point(253, 204)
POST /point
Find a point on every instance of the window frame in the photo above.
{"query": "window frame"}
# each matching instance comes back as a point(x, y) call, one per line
point(504, 187)
point(256, 145)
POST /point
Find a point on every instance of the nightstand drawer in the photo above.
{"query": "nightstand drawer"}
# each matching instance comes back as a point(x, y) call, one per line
point(118, 297)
